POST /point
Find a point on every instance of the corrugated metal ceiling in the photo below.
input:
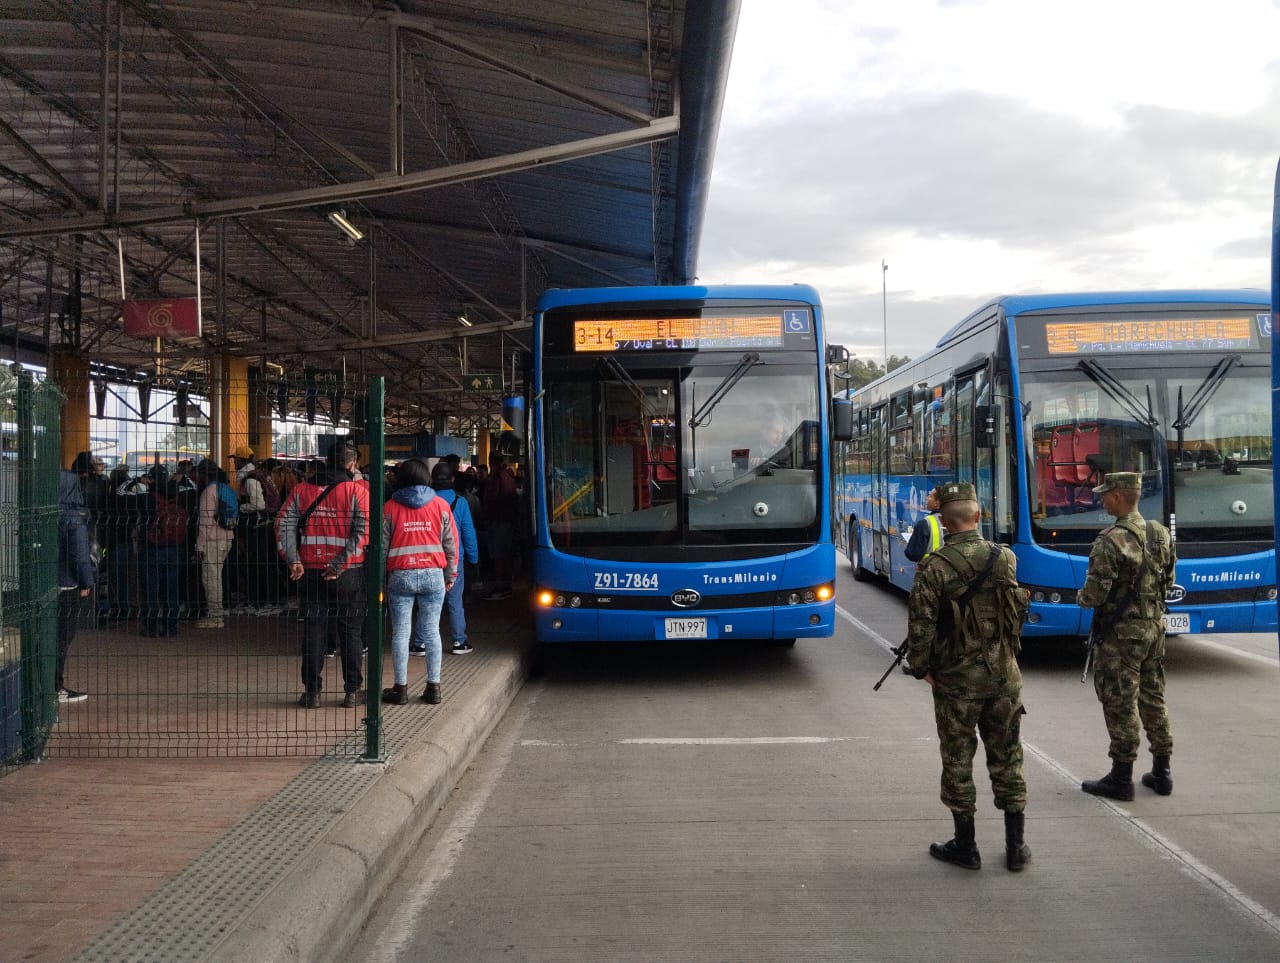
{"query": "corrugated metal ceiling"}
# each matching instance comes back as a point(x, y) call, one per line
point(487, 149)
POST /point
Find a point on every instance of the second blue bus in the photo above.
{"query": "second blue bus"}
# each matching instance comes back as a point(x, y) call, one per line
point(1035, 398)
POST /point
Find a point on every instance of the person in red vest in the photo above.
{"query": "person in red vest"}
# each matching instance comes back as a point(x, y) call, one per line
point(322, 532)
point(420, 539)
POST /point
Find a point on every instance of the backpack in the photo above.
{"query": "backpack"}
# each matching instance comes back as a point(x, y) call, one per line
point(972, 622)
point(270, 494)
point(169, 524)
point(1151, 580)
point(228, 511)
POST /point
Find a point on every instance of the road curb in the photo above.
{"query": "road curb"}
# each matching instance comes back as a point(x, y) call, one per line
point(315, 912)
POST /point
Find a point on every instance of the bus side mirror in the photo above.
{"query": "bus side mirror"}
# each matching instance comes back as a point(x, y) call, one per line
point(841, 420)
point(984, 426)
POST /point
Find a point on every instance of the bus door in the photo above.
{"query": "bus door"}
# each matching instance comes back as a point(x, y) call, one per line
point(880, 506)
point(975, 418)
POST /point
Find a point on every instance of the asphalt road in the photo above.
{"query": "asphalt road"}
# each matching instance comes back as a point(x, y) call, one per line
point(714, 802)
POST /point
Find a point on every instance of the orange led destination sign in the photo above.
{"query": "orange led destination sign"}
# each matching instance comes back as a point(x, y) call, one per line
point(1151, 334)
point(678, 334)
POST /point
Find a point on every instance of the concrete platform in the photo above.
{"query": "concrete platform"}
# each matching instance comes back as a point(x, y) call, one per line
point(241, 859)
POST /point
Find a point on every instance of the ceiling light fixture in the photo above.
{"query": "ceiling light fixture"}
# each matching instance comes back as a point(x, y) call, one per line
point(346, 227)
point(463, 319)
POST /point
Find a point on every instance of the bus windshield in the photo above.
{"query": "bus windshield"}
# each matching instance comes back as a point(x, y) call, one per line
point(1198, 428)
point(709, 453)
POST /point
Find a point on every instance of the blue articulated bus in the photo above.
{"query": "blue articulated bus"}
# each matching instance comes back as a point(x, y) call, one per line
point(680, 462)
point(1035, 398)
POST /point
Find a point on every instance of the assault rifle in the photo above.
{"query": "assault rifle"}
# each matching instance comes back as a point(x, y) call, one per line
point(1090, 647)
point(901, 653)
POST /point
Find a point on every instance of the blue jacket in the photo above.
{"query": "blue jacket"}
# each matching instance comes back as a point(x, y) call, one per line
point(76, 567)
point(466, 527)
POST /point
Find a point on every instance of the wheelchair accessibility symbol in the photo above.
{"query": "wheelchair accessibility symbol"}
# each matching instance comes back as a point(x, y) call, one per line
point(795, 321)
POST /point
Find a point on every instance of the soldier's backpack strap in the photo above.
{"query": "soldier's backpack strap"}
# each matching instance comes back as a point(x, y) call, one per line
point(974, 582)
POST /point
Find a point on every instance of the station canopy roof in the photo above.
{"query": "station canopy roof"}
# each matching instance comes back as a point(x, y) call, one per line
point(484, 149)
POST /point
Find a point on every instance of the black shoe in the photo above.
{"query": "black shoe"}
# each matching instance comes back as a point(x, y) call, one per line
point(352, 700)
point(309, 700)
point(1159, 778)
point(330, 653)
point(1117, 784)
point(431, 695)
point(417, 650)
point(396, 695)
point(961, 850)
point(1016, 853)
point(462, 648)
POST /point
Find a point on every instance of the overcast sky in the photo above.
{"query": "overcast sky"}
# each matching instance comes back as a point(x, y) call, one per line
point(985, 147)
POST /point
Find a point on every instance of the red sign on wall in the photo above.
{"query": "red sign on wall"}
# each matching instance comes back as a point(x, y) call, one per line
point(176, 318)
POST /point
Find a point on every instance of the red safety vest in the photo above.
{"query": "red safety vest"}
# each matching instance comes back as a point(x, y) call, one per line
point(417, 535)
point(330, 526)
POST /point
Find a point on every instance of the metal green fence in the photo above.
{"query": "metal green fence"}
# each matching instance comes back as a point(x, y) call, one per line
point(154, 668)
point(30, 412)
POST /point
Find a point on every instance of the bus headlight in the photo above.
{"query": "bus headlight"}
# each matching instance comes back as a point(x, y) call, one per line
point(806, 596)
point(1053, 596)
point(551, 599)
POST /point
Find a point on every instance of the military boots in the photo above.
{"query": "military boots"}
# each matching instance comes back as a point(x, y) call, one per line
point(1117, 784)
point(1016, 853)
point(1159, 778)
point(961, 850)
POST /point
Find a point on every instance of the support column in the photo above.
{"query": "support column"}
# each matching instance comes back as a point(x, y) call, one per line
point(234, 407)
point(71, 373)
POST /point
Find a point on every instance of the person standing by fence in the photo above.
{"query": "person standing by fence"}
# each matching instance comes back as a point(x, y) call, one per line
point(76, 575)
point(213, 544)
point(420, 543)
point(322, 532)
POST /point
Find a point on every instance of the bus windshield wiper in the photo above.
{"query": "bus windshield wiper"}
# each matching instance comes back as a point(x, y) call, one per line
point(1208, 388)
point(1112, 385)
point(611, 365)
point(703, 414)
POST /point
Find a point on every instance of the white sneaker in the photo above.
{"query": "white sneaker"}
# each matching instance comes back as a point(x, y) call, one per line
point(71, 695)
point(211, 624)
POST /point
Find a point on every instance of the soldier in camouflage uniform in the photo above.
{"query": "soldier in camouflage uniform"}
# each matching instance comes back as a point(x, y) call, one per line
point(1130, 568)
point(976, 684)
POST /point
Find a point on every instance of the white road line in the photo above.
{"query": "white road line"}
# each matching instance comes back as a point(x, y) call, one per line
point(875, 636)
point(1164, 846)
point(732, 741)
point(1191, 866)
point(1228, 649)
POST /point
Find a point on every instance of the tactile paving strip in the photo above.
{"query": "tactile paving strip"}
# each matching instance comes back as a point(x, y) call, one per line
point(189, 915)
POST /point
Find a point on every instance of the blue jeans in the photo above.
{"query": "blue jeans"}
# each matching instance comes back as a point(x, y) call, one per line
point(404, 587)
point(453, 602)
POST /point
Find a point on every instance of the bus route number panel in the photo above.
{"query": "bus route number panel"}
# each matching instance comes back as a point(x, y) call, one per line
point(687, 334)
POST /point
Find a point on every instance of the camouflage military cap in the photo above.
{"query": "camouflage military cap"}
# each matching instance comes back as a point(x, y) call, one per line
point(1120, 479)
point(956, 492)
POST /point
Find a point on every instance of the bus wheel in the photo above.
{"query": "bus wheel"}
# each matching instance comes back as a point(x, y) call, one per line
point(860, 574)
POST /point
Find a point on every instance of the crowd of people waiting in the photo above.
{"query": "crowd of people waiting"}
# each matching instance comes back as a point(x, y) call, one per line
point(200, 543)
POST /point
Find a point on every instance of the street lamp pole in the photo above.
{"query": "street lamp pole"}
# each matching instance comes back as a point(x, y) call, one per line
point(884, 311)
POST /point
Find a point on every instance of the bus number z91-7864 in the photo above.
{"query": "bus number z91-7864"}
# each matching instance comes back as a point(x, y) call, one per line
point(626, 580)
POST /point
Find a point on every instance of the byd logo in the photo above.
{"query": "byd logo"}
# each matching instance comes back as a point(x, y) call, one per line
point(1176, 593)
point(685, 598)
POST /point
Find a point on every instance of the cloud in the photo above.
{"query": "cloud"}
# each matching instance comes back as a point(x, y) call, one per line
point(973, 179)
